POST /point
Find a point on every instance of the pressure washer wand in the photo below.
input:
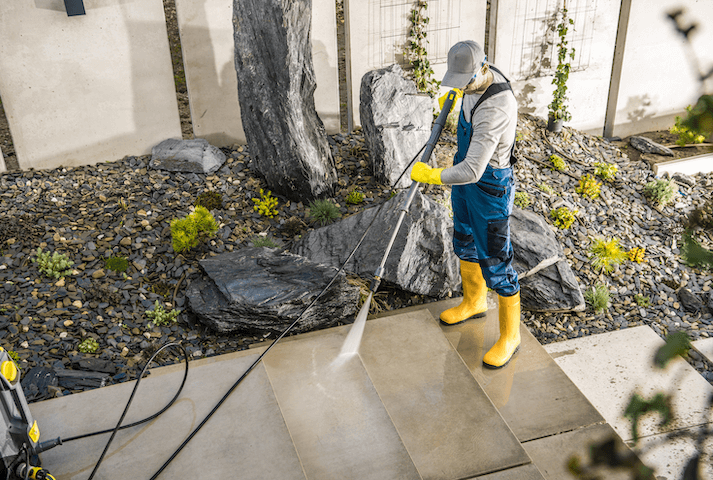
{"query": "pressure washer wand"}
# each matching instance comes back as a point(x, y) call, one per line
point(432, 141)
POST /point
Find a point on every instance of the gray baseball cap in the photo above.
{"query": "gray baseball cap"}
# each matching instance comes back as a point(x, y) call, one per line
point(464, 59)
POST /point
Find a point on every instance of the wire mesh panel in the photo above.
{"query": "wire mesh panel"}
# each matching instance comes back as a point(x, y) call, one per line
point(534, 49)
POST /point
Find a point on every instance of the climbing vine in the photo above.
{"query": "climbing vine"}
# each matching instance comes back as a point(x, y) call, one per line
point(415, 51)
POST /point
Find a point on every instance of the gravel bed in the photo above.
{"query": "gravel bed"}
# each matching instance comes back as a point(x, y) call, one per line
point(123, 208)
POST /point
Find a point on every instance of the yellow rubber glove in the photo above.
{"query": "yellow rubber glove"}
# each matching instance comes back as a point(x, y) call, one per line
point(442, 100)
point(422, 173)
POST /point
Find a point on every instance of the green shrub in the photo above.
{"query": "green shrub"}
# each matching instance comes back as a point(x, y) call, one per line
point(116, 264)
point(563, 217)
point(263, 242)
point(210, 200)
point(54, 265)
point(160, 316)
point(642, 301)
point(88, 345)
point(660, 191)
point(546, 188)
point(605, 171)
point(589, 187)
point(605, 254)
point(686, 136)
point(522, 199)
point(558, 163)
point(324, 211)
point(355, 198)
point(694, 254)
point(598, 297)
point(188, 232)
point(266, 205)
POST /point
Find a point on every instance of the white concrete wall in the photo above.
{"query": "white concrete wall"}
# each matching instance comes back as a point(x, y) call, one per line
point(377, 31)
point(85, 89)
point(206, 31)
point(657, 79)
point(521, 37)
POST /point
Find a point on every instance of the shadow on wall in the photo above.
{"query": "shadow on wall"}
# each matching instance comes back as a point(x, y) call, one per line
point(525, 100)
point(636, 108)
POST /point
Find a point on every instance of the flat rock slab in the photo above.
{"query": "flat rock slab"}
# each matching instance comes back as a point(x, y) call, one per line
point(646, 145)
point(262, 289)
point(193, 156)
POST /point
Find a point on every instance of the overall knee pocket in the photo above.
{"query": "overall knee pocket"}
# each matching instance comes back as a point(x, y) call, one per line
point(498, 235)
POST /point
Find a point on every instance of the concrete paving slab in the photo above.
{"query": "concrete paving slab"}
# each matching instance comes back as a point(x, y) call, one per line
point(551, 454)
point(525, 472)
point(531, 382)
point(611, 366)
point(437, 407)
point(705, 347)
point(247, 434)
point(339, 426)
point(669, 457)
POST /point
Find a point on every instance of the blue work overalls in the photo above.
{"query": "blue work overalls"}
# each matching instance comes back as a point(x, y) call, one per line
point(481, 226)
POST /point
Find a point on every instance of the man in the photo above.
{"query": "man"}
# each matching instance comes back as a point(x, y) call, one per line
point(482, 194)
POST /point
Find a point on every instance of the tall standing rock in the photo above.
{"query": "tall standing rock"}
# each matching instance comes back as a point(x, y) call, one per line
point(276, 83)
point(396, 120)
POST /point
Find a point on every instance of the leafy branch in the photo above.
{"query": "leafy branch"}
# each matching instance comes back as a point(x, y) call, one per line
point(415, 51)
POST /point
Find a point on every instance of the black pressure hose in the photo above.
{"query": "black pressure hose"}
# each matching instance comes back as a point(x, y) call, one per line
point(429, 146)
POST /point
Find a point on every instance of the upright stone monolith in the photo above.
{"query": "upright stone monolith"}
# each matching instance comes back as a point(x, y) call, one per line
point(276, 83)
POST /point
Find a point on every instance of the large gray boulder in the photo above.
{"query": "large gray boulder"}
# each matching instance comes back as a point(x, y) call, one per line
point(547, 283)
point(421, 259)
point(276, 83)
point(194, 156)
point(266, 290)
point(396, 121)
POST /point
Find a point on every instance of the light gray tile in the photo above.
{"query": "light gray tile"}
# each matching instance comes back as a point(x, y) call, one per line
point(339, 426)
point(247, 434)
point(446, 421)
point(525, 472)
point(608, 368)
point(705, 346)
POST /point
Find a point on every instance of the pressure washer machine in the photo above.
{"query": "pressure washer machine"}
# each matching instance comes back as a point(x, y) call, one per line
point(19, 433)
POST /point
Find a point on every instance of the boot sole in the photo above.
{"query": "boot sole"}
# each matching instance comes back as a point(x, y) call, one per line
point(477, 315)
point(493, 367)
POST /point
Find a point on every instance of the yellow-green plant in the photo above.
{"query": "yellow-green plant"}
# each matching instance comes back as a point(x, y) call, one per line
point(605, 171)
point(266, 205)
point(563, 217)
point(642, 300)
point(160, 316)
point(546, 188)
point(55, 265)
point(686, 136)
point(324, 211)
point(355, 197)
point(116, 264)
point(88, 345)
point(588, 186)
point(415, 51)
point(598, 297)
point(558, 163)
point(188, 232)
point(606, 253)
point(660, 191)
point(636, 254)
point(15, 358)
point(522, 199)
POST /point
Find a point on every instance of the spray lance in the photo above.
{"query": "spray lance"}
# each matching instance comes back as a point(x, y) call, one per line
point(351, 344)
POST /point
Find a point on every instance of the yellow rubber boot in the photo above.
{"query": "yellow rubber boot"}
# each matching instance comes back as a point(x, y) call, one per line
point(509, 341)
point(475, 302)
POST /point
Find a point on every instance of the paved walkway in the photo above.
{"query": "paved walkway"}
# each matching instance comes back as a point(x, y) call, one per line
point(415, 404)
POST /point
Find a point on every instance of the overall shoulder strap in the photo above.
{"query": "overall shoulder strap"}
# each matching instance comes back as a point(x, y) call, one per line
point(489, 92)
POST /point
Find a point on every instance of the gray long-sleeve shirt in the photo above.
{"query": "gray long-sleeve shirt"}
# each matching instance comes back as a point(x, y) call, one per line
point(494, 128)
